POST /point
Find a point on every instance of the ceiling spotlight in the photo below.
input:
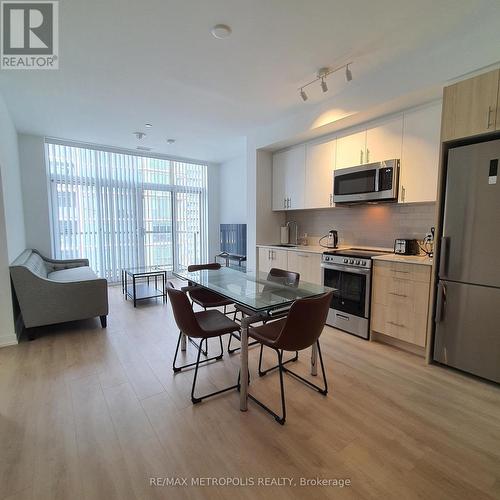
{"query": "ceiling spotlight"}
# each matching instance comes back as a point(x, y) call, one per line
point(148, 125)
point(324, 86)
point(139, 135)
point(221, 31)
point(303, 95)
point(348, 73)
point(170, 141)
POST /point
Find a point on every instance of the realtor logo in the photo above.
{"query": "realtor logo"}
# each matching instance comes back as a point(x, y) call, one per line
point(30, 35)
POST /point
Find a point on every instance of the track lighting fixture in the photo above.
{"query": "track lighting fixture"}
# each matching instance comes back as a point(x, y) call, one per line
point(321, 76)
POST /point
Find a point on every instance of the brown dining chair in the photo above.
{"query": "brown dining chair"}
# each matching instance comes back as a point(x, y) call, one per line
point(206, 298)
point(275, 275)
point(201, 325)
point(299, 330)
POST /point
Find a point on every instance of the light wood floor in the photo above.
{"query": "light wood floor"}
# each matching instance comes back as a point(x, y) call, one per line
point(91, 413)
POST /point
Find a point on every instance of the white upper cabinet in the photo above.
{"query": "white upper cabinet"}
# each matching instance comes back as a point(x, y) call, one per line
point(289, 178)
point(320, 164)
point(303, 175)
point(384, 141)
point(420, 157)
point(351, 150)
point(279, 180)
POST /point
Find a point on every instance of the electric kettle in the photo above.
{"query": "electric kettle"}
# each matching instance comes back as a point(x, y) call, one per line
point(332, 241)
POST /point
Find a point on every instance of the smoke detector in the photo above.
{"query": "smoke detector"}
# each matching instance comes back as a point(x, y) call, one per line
point(221, 31)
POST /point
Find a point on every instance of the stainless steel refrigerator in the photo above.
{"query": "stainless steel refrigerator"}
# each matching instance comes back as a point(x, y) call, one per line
point(468, 299)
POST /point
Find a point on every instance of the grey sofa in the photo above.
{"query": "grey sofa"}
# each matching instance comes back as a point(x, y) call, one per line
point(54, 291)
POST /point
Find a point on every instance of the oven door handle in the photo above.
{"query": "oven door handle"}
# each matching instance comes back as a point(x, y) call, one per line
point(346, 269)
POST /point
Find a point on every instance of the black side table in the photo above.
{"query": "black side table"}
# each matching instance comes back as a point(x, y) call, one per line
point(148, 282)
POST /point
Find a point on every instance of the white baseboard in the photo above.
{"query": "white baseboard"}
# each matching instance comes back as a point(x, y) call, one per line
point(6, 340)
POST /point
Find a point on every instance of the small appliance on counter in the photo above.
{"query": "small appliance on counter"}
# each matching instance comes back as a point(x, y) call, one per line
point(332, 239)
point(406, 247)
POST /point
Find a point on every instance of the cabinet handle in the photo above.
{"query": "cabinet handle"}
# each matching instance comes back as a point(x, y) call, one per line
point(398, 294)
point(289, 202)
point(331, 199)
point(284, 202)
point(303, 255)
point(360, 156)
point(395, 324)
point(403, 193)
point(399, 271)
point(367, 155)
point(273, 254)
point(490, 110)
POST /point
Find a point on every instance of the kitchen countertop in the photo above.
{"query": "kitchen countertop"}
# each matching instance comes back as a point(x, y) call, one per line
point(406, 259)
point(299, 248)
point(320, 249)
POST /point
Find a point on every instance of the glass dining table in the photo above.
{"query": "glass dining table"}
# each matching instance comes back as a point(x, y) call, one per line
point(267, 299)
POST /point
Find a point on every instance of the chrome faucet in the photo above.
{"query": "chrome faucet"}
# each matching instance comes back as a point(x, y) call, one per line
point(288, 224)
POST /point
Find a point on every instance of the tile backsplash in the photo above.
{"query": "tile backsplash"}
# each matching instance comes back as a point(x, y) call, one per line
point(367, 225)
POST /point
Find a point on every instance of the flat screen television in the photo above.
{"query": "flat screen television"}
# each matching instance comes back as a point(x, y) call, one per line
point(233, 239)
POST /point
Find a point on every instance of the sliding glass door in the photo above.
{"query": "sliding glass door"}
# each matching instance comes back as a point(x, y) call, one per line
point(120, 210)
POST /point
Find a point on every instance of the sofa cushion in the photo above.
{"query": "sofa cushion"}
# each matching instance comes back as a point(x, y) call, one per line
point(83, 273)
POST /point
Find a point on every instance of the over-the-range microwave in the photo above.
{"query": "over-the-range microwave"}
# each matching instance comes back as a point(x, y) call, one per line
point(367, 183)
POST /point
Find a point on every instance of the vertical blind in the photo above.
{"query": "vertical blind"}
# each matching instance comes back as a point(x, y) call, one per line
point(122, 210)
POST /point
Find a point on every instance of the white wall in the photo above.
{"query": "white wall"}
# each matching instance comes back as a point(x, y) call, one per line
point(35, 194)
point(11, 178)
point(233, 191)
point(214, 190)
point(12, 237)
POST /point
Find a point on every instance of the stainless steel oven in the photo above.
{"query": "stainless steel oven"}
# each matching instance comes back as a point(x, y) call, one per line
point(365, 183)
point(349, 273)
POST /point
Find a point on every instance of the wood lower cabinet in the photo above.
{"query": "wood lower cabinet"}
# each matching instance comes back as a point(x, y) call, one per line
point(270, 257)
point(307, 264)
point(400, 300)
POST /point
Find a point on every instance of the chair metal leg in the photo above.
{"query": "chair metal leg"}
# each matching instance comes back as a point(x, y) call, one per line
point(321, 390)
point(196, 400)
point(237, 337)
point(200, 345)
point(189, 365)
point(264, 372)
point(280, 419)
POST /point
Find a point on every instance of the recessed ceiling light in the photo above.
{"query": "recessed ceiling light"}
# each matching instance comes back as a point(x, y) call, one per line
point(170, 141)
point(148, 125)
point(221, 31)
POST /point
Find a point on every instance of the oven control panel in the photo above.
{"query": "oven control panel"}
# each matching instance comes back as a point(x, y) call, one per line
point(347, 260)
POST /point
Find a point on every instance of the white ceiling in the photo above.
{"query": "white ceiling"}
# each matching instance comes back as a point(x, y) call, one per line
point(124, 63)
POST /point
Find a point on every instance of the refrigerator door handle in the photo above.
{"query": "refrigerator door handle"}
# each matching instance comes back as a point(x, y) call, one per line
point(441, 300)
point(443, 256)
